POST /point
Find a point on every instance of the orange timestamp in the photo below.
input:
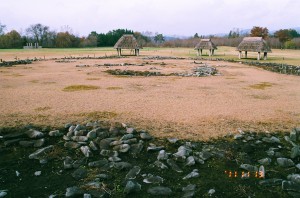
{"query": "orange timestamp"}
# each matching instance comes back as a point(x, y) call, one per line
point(245, 174)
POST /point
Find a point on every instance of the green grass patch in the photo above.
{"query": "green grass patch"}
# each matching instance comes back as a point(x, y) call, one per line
point(261, 86)
point(80, 88)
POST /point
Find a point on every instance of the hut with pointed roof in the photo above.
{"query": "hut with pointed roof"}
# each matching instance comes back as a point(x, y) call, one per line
point(206, 44)
point(254, 44)
point(127, 41)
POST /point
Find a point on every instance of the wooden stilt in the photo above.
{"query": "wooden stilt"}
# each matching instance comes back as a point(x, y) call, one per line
point(198, 52)
point(265, 55)
point(245, 54)
point(240, 54)
point(213, 52)
point(258, 56)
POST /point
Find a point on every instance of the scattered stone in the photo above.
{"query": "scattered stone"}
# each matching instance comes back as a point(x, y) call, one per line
point(271, 182)
point(18, 173)
point(271, 139)
point(294, 178)
point(80, 138)
point(68, 163)
point(151, 179)
point(92, 134)
point(160, 190)
point(11, 142)
point(285, 162)
point(182, 152)
point(211, 192)
point(295, 152)
point(41, 153)
point(55, 133)
point(123, 148)
point(39, 142)
point(162, 155)
point(109, 153)
point(265, 161)
point(105, 143)
point(298, 166)
point(137, 148)
point(114, 159)
point(99, 163)
point(130, 141)
point(122, 165)
point(238, 136)
point(3, 193)
point(293, 135)
point(249, 167)
point(73, 191)
point(189, 191)
point(72, 145)
point(174, 166)
point(205, 155)
point(133, 172)
point(291, 186)
point(132, 186)
point(87, 195)
point(190, 161)
point(93, 146)
point(86, 151)
point(172, 140)
point(153, 147)
point(127, 136)
point(34, 134)
point(130, 130)
point(193, 174)
point(145, 136)
point(160, 165)
point(37, 173)
point(80, 173)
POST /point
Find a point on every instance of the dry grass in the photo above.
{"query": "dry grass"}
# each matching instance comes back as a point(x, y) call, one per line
point(114, 88)
point(80, 88)
point(261, 86)
point(42, 108)
point(97, 115)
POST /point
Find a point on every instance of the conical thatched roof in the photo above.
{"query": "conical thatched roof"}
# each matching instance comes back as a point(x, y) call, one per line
point(127, 41)
point(254, 44)
point(206, 44)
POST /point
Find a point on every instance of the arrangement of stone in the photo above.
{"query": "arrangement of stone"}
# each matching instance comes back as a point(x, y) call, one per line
point(111, 159)
point(17, 62)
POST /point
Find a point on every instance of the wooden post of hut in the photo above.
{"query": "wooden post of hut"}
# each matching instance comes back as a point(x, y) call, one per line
point(127, 41)
point(254, 44)
point(205, 44)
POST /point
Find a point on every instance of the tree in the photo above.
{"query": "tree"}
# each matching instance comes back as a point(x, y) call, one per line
point(159, 38)
point(38, 32)
point(66, 40)
point(2, 28)
point(259, 32)
point(283, 35)
point(141, 39)
point(11, 40)
point(196, 35)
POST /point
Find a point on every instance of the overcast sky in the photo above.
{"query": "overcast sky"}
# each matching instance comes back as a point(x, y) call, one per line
point(170, 17)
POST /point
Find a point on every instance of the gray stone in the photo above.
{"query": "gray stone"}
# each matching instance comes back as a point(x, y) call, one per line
point(162, 155)
point(298, 166)
point(271, 182)
point(11, 142)
point(72, 145)
point(80, 133)
point(41, 153)
point(174, 166)
point(272, 139)
point(68, 163)
point(190, 161)
point(189, 191)
point(55, 133)
point(102, 134)
point(99, 163)
point(103, 176)
point(3, 193)
point(14, 135)
point(127, 136)
point(153, 147)
point(238, 136)
point(67, 138)
point(92, 134)
point(295, 152)
point(109, 153)
point(105, 143)
point(172, 140)
point(132, 186)
point(71, 128)
point(133, 173)
point(80, 138)
point(291, 186)
point(294, 178)
point(130, 130)
point(151, 179)
point(93, 146)
point(85, 195)
point(182, 152)
point(145, 136)
point(123, 148)
point(293, 135)
point(73, 191)
point(160, 190)
point(80, 162)
point(205, 155)
point(198, 160)
point(86, 151)
point(137, 148)
point(34, 134)
point(211, 192)
point(114, 159)
point(130, 141)
point(160, 165)
point(265, 161)
point(192, 174)
point(122, 165)
point(79, 173)
point(25, 143)
point(39, 142)
point(285, 162)
point(249, 167)
point(116, 143)
point(79, 127)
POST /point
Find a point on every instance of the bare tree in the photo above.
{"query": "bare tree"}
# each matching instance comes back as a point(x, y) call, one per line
point(38, 32)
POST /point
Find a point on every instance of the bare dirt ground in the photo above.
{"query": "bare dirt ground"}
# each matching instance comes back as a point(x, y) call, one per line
point(242, 97)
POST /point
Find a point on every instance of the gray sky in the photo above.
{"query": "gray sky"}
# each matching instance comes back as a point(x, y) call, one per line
point(171, 17)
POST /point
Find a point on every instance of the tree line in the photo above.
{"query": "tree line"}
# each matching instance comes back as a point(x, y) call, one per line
point(47, 38)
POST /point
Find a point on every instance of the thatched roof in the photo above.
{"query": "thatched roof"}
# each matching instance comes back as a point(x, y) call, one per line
point(254, 44)
point(206, 44)
point(127, 41)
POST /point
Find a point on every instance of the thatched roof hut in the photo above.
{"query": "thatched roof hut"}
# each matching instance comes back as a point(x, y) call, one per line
point(254, 44)
point(127, 41)
point(205, 44)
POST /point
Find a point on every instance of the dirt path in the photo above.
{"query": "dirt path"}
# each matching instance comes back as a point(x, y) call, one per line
point(186, 107)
